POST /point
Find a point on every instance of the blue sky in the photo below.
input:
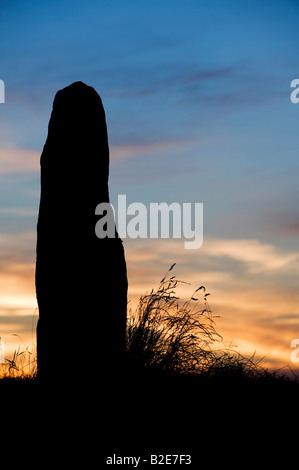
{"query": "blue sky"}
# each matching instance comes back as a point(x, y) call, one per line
point(197, 101)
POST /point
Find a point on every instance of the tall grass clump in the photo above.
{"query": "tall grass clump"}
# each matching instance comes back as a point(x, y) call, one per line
point(170, 336)
point(22, 364)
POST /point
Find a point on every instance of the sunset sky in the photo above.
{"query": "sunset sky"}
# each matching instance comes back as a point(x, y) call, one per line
point(198, 109)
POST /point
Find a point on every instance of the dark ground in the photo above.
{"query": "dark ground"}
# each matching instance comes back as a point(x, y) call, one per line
point(221, 420)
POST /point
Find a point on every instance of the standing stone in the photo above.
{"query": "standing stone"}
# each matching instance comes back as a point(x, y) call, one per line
point(81, 280)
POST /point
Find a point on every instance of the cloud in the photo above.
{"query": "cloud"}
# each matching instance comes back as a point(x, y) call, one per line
point(18, 211)
point(292, 229)
point(17, 242)
point(16, 160)
point(131, 150)
point(285, 223)
point(170, 77)
point(207, 74)
point(257, 256)
point(17, 255)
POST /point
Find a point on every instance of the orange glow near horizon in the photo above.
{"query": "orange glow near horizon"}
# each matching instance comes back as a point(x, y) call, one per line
point(255, 317)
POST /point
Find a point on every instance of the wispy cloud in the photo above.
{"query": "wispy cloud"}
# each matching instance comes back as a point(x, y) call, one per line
point(18, 211)
point(17, 160)
point(285, 223)
point(206, 74)
point(257, 256)
point(168, 77)
point(131, 150)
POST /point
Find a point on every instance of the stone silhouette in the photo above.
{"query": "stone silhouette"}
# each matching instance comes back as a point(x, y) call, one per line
point(81, 280)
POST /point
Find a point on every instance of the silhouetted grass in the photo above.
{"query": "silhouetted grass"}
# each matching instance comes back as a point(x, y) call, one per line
point(170, 336)
point(167, 337)
point(22, 367)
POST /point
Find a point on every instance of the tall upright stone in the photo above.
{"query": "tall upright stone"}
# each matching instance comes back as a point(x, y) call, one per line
point(81, 280)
